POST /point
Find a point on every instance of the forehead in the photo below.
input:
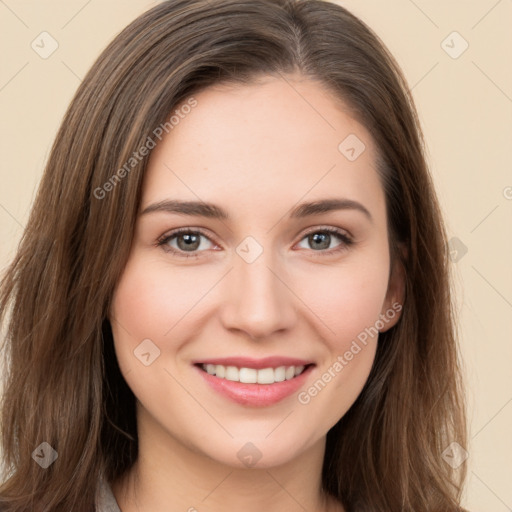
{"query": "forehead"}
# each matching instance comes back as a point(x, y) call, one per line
point(281, 139)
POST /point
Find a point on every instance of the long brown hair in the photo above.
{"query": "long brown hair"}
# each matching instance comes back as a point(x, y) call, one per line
point(62, 384)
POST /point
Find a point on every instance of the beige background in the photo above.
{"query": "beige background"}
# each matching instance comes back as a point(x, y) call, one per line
point(465, 106)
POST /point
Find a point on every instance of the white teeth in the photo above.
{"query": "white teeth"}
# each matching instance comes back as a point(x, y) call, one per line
point(266, 376)
point(232, 373)
point(248, 375)
point(280, 374)
point(253, 376)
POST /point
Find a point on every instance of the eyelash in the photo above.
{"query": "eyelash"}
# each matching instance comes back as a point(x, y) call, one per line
point(346, 240)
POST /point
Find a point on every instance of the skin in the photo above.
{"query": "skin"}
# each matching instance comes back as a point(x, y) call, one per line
point(256, 151)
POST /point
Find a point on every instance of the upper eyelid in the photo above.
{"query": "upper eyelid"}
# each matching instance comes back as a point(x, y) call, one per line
point(326, 227)
point(179, 231)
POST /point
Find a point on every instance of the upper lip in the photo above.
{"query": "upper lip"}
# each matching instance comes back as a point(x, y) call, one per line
point(249, 362)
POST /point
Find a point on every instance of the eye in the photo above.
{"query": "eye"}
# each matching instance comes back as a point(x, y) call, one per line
point(187, 240)
point(321, 238)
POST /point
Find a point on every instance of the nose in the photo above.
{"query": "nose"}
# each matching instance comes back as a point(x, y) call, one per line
point(258, 301)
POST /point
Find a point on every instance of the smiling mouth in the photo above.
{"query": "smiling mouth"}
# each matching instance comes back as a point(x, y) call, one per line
point(252, 375)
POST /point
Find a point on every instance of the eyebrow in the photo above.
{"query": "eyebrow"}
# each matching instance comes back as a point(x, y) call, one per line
point(212, 211)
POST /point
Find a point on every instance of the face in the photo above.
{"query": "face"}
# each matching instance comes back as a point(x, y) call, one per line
point(269, 284)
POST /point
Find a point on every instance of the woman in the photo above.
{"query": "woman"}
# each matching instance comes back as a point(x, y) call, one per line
point(233, 288)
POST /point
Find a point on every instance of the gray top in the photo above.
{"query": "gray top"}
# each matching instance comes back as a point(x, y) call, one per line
point(105, 499)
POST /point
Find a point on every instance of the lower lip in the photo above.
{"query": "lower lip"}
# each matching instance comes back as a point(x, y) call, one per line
point(257, 395)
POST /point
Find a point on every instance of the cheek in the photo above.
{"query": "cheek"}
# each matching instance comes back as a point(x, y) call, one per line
point(346, 299)
point(349, 307)
point(152, 302)
point(347, 302)
point(150, 299)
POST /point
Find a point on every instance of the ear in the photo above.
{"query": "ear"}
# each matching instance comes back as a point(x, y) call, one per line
point(395, 295)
